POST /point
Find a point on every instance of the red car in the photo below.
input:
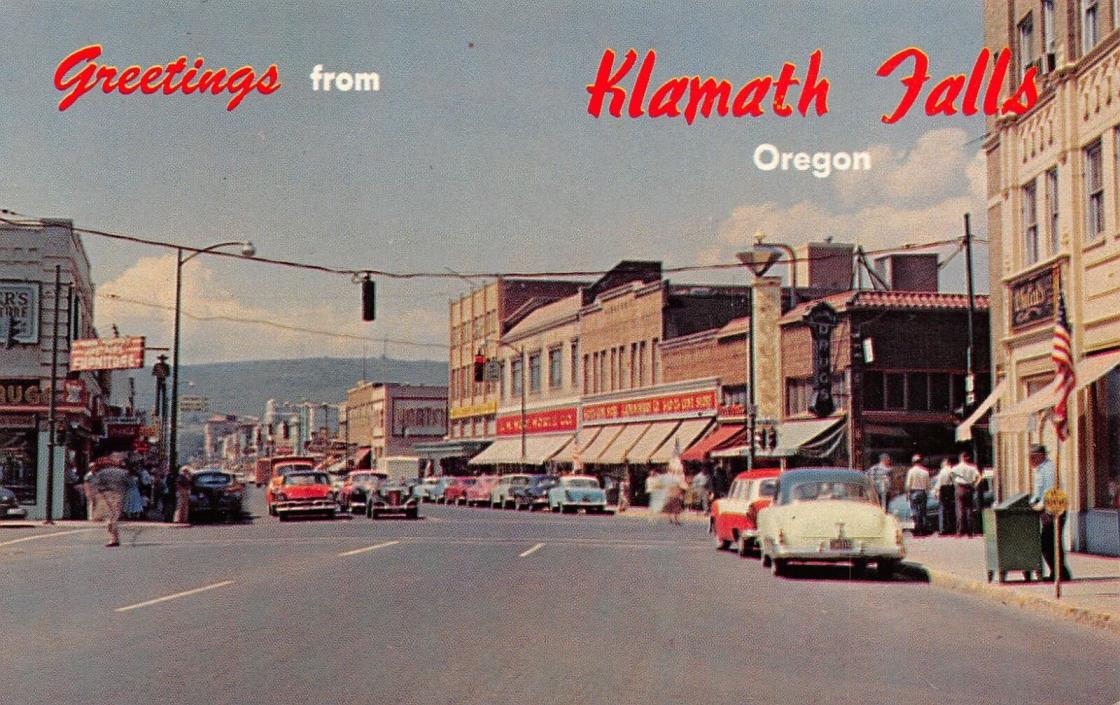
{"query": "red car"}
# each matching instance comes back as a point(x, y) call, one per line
point(734, 518)
point(478, 494)
point(456, 492)
point(304, 493)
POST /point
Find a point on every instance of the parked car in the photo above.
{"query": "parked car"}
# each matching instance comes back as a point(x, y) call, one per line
point(422, 490)
point(829, 515)
point(9, 505)
point(304, 492)
point(456, 492)
point(392, 498)
point(576, 491)
point(535, 494)
point(435, 492)
point(734, 518)
point(356, 488)
point(215, 493)
point(501, 494)
point(478, 494)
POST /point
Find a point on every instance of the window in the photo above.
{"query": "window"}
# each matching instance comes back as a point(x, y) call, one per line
point(939, 394)
point(1094, 191)
point(917, 391)
point(1049, 49)
point(586, 380)
point(613, 380)
point(555, 368)
point(896, 390)
point(534, 372)
point(1030, 223)
point(574, 378)
point(642, 364)
point(654, 364)
point(1090, 25)
point(1026, 44)
point(633, 364)
point(515, 376)
point(1052, 211)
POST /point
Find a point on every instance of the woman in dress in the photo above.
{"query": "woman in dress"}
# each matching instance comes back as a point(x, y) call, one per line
point(133, 502)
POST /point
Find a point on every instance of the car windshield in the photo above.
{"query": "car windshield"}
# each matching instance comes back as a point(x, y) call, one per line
point(362, 480)
point(212, 479)
point(809, 491)
point(309, 478)
point(768, 488)
point(288, 469)
point(583, 482)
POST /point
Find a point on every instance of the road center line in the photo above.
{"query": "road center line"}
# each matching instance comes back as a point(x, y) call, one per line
point(176, 596)
point(531, 551)
point(45, 536)
point(369, 548)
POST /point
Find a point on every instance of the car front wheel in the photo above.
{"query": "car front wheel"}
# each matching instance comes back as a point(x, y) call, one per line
point(886, 568)
point(778, 567)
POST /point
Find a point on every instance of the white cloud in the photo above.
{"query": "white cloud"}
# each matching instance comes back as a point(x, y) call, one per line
point(145, 295)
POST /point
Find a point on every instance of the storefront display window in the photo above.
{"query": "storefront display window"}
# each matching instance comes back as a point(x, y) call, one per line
point(19, 463)
point(1106, 421)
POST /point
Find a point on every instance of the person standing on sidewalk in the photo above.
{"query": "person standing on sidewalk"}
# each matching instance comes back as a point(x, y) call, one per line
point(183, 496)
point(111, 483)
point(917, 489)
point(943, 487)
point(880, 474)
point(1042, 479)
point(965, 478)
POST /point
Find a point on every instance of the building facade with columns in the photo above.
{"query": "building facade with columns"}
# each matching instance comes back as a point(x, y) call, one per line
point(1054, 231)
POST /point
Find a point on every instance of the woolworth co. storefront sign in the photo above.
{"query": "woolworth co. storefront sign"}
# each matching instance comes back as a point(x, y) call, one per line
point(550, 421)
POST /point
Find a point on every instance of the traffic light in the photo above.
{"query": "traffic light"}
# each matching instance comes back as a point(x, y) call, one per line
point(479, 367)
point(369, 299)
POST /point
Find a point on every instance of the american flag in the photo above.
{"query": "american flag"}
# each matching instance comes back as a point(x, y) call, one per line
point(1064, 378)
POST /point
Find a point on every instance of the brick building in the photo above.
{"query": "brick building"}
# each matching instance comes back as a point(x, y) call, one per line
point(389, 420)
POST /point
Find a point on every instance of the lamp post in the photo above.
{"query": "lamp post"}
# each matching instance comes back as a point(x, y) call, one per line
point(247, 250)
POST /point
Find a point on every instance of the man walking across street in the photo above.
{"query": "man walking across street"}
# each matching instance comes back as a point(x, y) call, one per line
point(917, 489)
point(881, 475)
point(965, 478)
point(110, 484)
point(1042, 479)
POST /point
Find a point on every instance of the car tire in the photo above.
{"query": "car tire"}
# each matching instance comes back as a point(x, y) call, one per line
point(742, 547)
point(331, 514)
point(778, 567)
point(721, 545)
point(282, 517)
point(885, 569)
point(413, 513)
point(765, 560)
point(375, 515)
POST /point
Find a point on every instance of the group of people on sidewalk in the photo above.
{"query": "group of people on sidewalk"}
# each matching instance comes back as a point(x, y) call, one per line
point(113, 491)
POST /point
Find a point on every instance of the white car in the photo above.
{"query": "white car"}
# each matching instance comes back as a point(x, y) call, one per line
point(577, 491)
point(501, 495)
point(828, 515)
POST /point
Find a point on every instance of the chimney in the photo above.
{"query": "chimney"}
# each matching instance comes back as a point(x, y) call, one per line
point(909, 272)
point(824, 265)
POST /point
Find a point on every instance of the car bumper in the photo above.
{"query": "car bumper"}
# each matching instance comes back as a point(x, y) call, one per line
point(13, 513)
point(822, 552)
point(583, 503)
point(316, 505)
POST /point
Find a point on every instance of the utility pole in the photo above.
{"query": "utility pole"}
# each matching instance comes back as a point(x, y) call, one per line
point(970, 359)
point(52, 418)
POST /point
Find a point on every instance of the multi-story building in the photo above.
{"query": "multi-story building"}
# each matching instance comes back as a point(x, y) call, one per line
point(1054, 231)
point(29, 253)
point(388, 419)
point(228, 438)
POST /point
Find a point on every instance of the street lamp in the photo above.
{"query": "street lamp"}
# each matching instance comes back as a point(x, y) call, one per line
point(247, 250)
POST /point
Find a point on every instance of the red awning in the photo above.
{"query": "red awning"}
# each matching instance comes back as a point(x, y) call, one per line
point(722, 436)
point(361, 459)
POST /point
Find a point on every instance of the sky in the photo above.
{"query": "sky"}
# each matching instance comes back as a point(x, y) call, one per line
point(477, 154)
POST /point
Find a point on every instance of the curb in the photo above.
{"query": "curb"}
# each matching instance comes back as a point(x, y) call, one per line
point(1013, 597)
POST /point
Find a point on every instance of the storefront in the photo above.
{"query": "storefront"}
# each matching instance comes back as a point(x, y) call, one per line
point(545, 444)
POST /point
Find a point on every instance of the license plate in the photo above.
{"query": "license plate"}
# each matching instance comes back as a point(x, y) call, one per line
point(840, 544)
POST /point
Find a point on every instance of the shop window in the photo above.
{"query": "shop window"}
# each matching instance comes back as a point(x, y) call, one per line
point(1094, 192)
point(19, 463)
point(873, 398)
point(1105, 423)
point(917, 391)
point(896, 390)
point(535, 373)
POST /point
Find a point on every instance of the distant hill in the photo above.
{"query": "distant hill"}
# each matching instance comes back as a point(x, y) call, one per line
point(243, 387)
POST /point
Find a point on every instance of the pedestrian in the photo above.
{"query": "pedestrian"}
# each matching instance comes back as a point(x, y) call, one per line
point(133, 500)
point(111, 483)
point(91, 492)
point(702, 488)
point(917, 489)
point(655, 492)
point(880, 474)
point(183, 496)
point(1043, 479)
point(624, 494)
point(966, 477)
point(674, 487)
point(943, 488)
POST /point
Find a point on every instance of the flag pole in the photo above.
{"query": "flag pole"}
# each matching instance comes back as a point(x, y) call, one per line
point(1056, 518)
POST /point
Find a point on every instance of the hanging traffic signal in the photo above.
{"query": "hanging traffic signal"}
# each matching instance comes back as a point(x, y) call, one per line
point(479, 367)
point(369, 299)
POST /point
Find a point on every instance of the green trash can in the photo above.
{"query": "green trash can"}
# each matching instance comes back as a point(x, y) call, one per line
point(1012, 538)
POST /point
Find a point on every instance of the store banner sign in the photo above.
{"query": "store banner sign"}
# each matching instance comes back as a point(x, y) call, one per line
point(19, 312)
point(419, 417)
point(1033, 298)
point(107, 354)
point(34, 395)
point(551, 421)
point(689, 403)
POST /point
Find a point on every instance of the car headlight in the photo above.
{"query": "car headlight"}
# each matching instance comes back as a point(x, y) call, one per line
point(281, 497)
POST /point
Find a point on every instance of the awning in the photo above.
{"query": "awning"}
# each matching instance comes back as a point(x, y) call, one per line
point(724, 435)
point(792, 437)
point(650, 441)
point(1090, 369)
point(615, 454)
point(361, 459)
point(964, 431)
point(592, 451)
point(507, 451)
point(1020, 418)
point(586, 438)
point(681, 437)
point(452, 448)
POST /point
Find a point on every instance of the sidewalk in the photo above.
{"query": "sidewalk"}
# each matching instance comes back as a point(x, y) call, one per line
point(1091, 598)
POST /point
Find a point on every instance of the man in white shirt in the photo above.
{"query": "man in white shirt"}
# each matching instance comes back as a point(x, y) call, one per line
point(943, 486)
point(1042, 479)
point(917, 489)
point(966, 477)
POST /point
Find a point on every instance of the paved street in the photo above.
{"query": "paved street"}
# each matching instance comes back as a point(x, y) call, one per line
point(485, 606)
